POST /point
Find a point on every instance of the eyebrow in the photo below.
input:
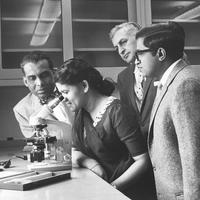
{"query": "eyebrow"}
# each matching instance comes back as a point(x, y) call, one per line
point(120, 42)
point(31, 75)
point(44, 72)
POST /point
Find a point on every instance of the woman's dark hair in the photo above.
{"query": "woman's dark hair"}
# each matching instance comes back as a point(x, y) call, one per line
point(74, 71)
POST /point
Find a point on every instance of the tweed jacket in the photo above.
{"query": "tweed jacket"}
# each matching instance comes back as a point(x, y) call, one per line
point(60, 120)
point(125, 83)
point(174, 135)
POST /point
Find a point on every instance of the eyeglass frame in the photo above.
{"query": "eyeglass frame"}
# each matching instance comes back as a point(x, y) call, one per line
point(140, 52)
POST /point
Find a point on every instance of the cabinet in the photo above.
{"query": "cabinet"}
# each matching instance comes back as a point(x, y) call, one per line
point(92, 21)
point(21, 22)
point(185, 12)
point(82, 30)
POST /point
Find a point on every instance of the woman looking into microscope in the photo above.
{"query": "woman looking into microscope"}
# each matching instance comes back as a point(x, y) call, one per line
point(106, 137)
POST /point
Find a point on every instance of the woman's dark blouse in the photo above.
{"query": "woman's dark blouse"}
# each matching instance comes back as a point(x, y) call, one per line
point(114, 140)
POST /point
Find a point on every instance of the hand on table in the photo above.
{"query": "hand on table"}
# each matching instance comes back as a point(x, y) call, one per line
point(99, 171)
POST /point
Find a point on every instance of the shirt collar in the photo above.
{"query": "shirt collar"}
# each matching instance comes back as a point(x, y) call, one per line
point(166, 74)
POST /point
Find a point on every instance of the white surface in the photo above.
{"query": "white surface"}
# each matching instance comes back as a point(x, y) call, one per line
point(83, 185)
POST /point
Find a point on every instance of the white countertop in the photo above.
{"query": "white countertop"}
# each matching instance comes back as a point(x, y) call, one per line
point(83, 185)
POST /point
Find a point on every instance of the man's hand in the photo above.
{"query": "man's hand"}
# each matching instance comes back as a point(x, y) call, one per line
point(39, 118)
point(35, 121)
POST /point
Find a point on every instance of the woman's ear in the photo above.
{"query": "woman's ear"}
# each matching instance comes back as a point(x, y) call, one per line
point(161, 54)
point(85, 86)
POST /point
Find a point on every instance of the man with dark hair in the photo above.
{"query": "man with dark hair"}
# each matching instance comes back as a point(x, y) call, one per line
point(173, 139)
point(38, 77)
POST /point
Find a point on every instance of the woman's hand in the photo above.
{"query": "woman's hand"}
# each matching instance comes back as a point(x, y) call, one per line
point(99, 171)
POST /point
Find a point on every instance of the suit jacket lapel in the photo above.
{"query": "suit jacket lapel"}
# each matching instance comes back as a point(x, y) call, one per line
point(180, 65)
point(145, 89)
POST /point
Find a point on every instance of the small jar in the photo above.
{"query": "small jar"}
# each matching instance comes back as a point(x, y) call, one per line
point(50, 150)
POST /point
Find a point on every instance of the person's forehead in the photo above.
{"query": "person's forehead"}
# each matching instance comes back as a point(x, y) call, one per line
point(63, 87)
point(140, 43)
point(36, 68)
point(120, 34)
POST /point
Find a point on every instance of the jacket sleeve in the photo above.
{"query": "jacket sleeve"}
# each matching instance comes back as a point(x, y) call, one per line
point(186, 118)
point(67, 116)
point(122, 91)
point(127, 128)
point(25, 128)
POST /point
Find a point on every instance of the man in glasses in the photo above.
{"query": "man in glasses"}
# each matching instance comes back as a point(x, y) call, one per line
point(136, 91)
point(173, 139)
point(37, 71)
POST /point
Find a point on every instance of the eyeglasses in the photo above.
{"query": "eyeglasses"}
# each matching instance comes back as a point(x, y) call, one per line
point(140, 52)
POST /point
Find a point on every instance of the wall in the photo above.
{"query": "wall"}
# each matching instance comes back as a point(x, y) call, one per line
point(8, 124)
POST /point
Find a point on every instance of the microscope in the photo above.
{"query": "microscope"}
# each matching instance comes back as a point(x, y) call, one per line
point(43, 144)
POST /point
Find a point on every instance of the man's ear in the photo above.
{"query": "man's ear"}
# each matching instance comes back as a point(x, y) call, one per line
point(161, 54)
point(85, 86)
point(25, 81)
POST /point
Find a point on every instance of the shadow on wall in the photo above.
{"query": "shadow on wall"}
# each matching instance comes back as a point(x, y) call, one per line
point(10, 95)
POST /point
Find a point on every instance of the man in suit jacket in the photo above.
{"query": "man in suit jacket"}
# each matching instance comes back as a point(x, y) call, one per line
point(174, 139)
point(37, 71)
point(131, 79)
